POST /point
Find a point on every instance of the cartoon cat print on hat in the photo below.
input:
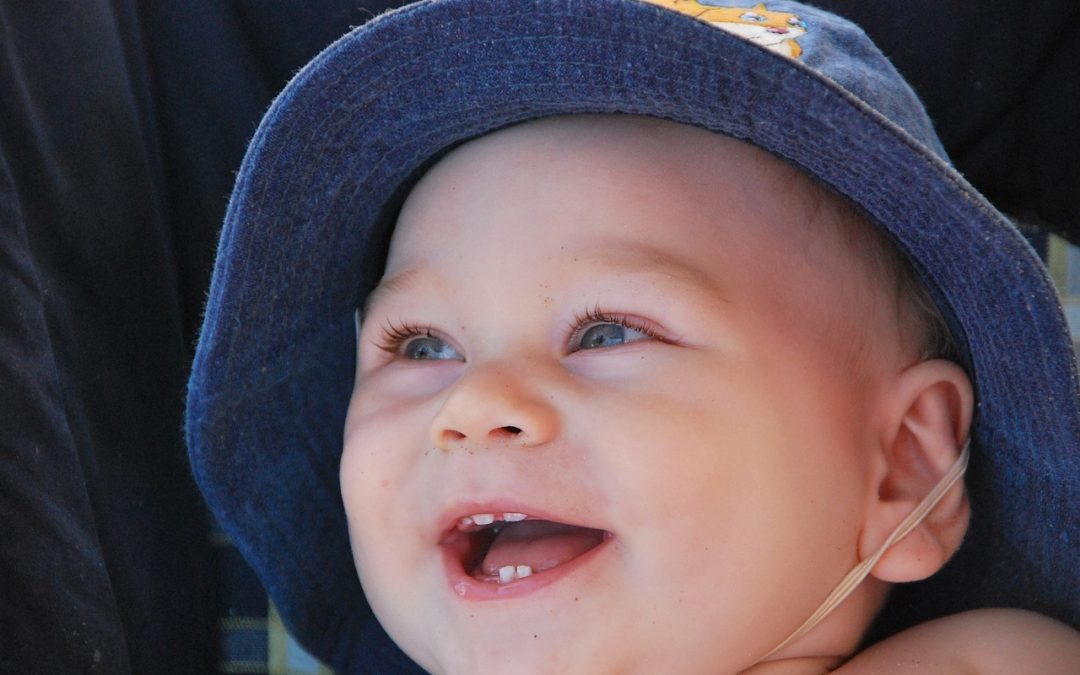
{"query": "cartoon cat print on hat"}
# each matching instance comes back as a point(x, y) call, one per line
point(776, 31)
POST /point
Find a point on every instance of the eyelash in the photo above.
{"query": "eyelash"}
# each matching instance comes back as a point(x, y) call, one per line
point(596, 315)
point(394, 336)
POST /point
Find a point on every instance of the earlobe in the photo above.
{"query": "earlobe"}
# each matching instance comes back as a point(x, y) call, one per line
point(927, 420)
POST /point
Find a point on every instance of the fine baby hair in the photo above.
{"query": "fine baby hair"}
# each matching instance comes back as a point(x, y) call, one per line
point(314, 209)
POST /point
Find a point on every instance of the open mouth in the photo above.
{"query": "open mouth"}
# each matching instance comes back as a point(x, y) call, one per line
point(502, 548)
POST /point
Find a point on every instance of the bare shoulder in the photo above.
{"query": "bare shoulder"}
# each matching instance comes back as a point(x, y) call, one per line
point(984, 642)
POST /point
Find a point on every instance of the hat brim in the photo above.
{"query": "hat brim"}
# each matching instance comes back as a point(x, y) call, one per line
point(306, 233)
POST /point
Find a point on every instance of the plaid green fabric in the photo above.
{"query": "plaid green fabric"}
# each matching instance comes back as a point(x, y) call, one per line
point(253, 638)
point(1064, 261)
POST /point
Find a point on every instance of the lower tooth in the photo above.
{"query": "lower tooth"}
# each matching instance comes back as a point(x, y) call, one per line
point(508, 573)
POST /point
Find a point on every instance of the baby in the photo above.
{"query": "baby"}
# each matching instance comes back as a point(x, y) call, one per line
point(633, 396)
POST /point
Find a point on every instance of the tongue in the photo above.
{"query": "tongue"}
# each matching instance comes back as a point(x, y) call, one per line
point(540, 544)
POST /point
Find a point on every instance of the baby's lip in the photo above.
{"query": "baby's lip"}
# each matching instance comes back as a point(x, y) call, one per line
point(502, 549)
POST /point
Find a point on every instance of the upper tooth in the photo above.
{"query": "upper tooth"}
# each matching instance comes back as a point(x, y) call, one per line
point(484, 518)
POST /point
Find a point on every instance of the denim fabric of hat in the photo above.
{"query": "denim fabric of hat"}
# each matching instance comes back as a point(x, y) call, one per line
point(307, 228)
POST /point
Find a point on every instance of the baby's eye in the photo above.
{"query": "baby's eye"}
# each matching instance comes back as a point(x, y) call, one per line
point(428, 348)
point(417, 344)
point(597, 329)
point(608, 335)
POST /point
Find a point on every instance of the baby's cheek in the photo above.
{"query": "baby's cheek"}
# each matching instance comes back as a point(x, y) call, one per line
point(356, 486)
point(358, 472)
point(368, 511)
point(380, 481)
point(383, 438)
point(367, 483)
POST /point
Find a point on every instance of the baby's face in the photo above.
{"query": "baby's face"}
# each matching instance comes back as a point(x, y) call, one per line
point(625, 343)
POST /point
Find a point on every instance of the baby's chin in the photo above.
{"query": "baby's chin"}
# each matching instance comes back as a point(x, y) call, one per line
point(519, 641)
point(597, 646)
point(537, 653)
point(599, 642)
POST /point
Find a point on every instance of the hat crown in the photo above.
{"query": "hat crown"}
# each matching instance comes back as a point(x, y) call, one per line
point(830, 45)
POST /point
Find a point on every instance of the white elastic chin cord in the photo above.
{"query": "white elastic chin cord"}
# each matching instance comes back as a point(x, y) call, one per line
point(855, 577)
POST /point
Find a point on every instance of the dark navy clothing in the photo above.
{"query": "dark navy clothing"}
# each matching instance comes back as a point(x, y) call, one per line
point(999, 82)
point(121, 126)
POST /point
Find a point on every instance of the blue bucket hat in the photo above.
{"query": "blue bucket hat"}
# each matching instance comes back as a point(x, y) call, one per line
point(306, 234)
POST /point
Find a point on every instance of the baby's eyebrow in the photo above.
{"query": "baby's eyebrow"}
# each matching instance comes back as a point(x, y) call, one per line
point(388, 286)
point(632, 256)
point(619, 255)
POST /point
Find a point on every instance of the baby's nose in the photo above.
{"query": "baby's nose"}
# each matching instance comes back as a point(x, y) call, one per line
point(494, 405)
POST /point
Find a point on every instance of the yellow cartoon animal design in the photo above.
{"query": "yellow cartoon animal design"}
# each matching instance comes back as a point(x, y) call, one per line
point(774, 30)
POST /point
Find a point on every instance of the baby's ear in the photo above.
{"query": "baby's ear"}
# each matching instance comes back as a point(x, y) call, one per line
point(927, 417)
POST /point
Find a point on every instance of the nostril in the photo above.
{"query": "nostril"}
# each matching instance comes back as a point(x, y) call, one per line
point(506, 432)
point(452, 435)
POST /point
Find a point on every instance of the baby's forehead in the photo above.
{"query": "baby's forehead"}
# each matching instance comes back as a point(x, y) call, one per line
point(625, 159)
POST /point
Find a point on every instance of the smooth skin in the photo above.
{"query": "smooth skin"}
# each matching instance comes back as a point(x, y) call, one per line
point(656, 331)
